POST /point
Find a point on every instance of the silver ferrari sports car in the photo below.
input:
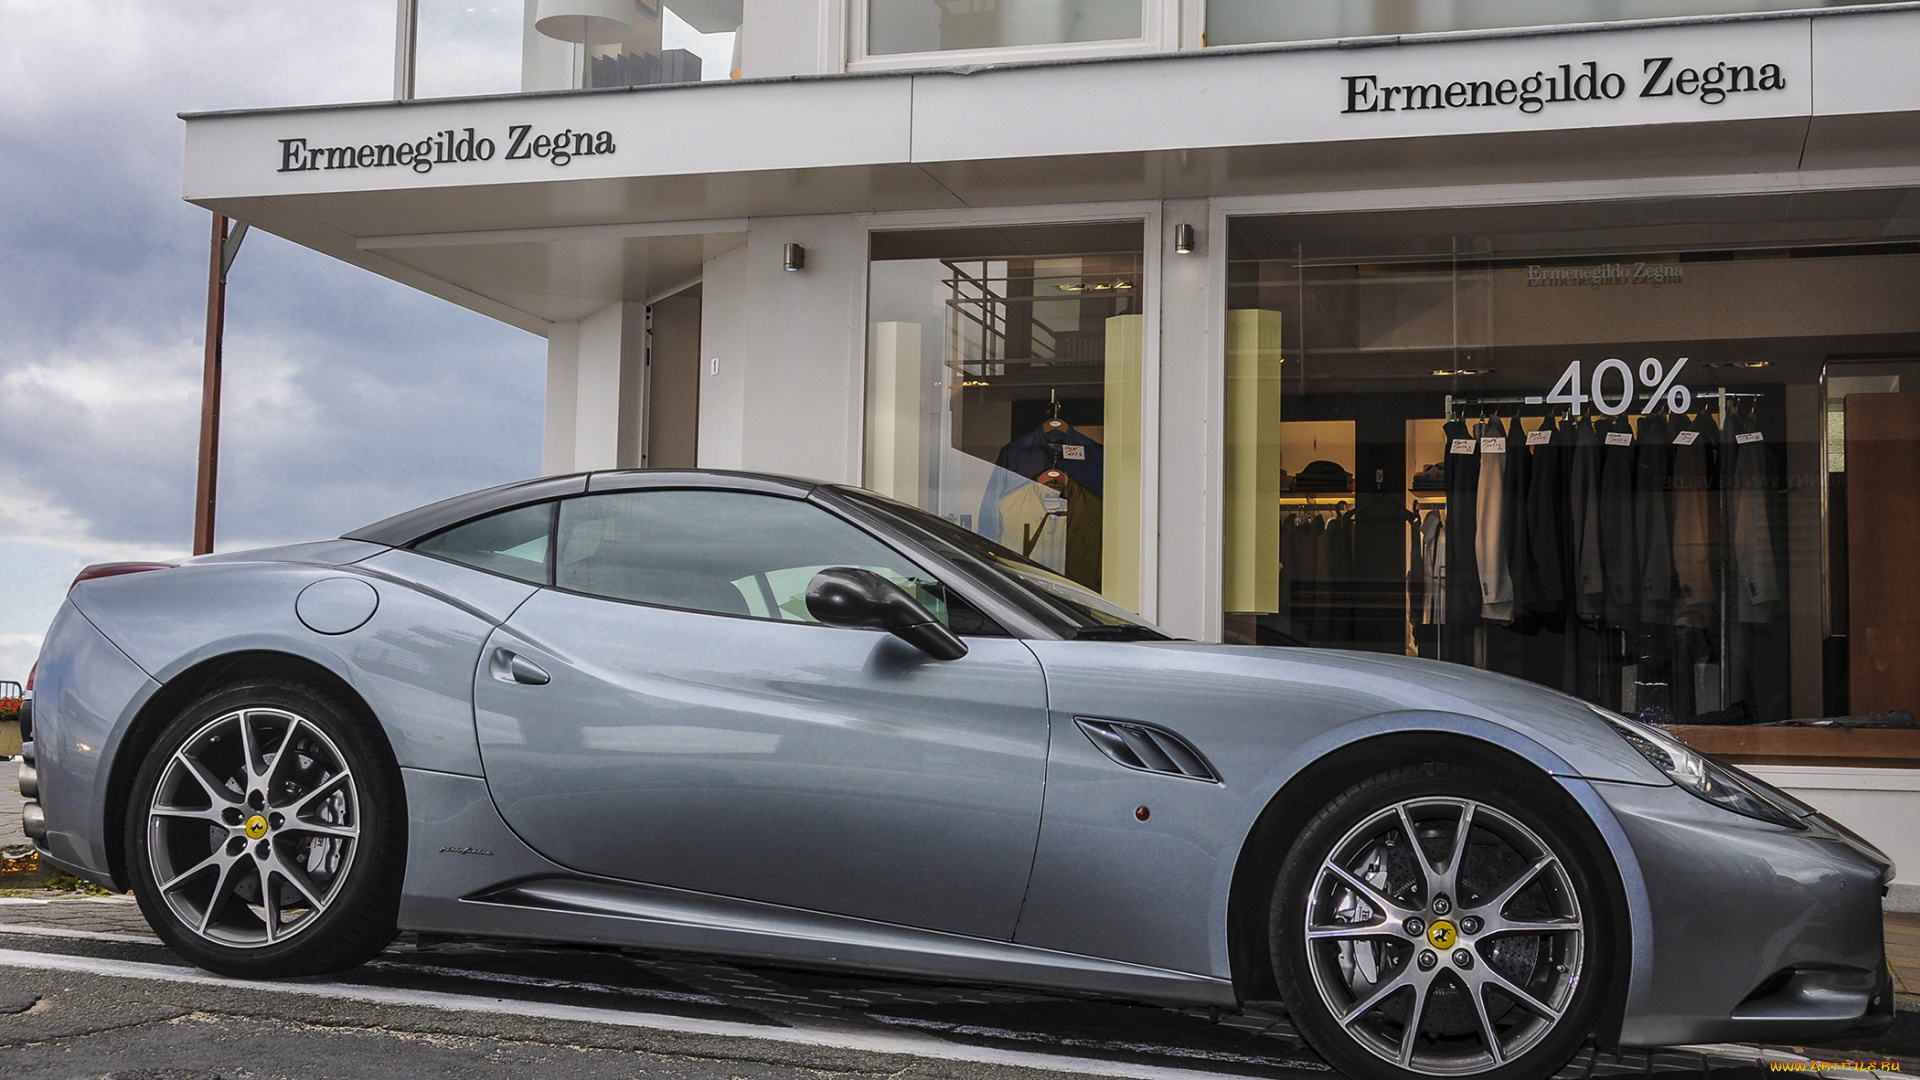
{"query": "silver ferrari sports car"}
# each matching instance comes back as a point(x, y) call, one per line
point(801, 724)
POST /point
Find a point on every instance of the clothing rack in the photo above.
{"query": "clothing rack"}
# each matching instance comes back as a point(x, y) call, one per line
point(1456, 404)
point(1717, 400)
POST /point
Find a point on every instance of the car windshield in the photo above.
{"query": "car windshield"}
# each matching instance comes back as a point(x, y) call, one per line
point(1086, 613)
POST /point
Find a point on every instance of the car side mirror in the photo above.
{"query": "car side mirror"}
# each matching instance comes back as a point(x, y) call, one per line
point(846, 596)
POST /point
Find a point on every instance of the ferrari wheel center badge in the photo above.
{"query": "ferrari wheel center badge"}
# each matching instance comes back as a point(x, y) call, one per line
point(256, 827)
point(1442, 934)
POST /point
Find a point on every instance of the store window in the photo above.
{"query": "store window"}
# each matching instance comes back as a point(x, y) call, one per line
point(1246, 22)
point(1003, 390)
point(478, 47)
point(1678, 480)
point(467, 47)
point(921, 26)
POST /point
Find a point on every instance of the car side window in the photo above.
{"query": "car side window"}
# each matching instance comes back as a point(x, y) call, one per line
point(726, 552)
point(512, 542)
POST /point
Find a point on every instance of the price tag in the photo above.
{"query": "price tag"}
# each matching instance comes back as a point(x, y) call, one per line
point(1751, 436)
point(1539, 438)
point(1493, 444)
point(1685, 438)
point(1619, 438)
point(1460, 446)
point(1073, 453)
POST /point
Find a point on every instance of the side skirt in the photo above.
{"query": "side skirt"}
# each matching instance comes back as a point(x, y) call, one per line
point(467, 873)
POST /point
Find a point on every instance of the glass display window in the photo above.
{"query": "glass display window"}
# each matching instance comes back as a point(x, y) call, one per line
point(1246, 22)
point(924, 26)
point(1004, 390)
point(1555, 443)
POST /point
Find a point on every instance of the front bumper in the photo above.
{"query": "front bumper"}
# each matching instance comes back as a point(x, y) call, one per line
point(1759, 933)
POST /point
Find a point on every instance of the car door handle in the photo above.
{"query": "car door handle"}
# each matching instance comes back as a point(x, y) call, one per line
point(512, 667)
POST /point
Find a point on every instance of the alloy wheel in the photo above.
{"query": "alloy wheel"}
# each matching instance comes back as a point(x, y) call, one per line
point(1444, 936)
point(252, 827)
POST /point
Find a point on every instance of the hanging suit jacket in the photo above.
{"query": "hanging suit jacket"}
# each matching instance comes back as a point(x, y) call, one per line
point(1463, 486)
point(1619, 539)
point(1433, 557)
point(1519, 478)
point(1652, 518)
point(1549, 531)
point(1589, 587)
point(1493, 533)
point(1756, 574)
point(1693, 500)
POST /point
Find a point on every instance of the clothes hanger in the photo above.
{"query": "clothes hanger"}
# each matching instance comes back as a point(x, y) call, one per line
point(1054, 423)
point(1052, 478)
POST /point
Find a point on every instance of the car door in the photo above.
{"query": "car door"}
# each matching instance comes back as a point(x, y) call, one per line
point(670, 714)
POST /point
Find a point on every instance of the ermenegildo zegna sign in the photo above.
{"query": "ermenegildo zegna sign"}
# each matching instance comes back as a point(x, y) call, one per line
point(449, 147)
point(1659, 77)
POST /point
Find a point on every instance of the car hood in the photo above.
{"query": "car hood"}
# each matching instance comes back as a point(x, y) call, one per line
point(1310, 694)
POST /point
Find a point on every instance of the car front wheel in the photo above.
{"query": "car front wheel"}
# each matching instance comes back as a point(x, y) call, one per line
point(264, 835)
point(1433, 921)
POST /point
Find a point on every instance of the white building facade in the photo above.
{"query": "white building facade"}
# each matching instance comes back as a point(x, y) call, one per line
point(1578, 340)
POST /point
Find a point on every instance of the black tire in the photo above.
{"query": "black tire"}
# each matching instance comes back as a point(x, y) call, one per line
point(1477, 923)
point(293, 866)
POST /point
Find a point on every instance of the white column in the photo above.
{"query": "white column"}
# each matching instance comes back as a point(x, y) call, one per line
point(1192, 313)
point(596, 391)
point(563, 393)
point(791, 347)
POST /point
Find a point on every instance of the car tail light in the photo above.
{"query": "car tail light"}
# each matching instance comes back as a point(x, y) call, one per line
point(115, 569)
point(34, 670)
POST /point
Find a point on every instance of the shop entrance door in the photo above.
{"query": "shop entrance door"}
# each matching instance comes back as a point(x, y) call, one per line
point(673, 383)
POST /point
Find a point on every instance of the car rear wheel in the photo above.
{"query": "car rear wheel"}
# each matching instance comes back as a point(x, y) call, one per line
point(265, 834)
point(1433, 921)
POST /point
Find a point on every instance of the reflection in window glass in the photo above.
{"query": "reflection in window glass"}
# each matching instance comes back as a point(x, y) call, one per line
point(466, 47)
point(912, 26)
point(1244, 22)
point(731, 553)
point(1003, 393)
point(513, 543)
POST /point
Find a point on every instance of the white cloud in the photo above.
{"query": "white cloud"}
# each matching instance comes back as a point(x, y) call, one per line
point(347, 397)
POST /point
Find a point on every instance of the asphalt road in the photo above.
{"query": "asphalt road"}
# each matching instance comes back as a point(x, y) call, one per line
point(85, 992)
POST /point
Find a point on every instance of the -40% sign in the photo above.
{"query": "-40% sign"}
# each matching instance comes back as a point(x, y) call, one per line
point(1572, 392)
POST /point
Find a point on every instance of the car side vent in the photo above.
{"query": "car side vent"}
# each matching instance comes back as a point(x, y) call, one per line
point(1148, 749)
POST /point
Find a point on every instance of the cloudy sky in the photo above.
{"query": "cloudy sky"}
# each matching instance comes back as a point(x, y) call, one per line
point(348, 397)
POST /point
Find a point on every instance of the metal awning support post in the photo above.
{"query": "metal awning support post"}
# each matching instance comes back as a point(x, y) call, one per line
point(224, 247)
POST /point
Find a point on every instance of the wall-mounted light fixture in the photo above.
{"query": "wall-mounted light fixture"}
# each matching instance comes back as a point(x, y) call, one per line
point(1183, 239)
point(793, 259)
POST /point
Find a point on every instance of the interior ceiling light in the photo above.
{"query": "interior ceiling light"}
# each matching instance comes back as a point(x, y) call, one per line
point(1465, 371)
point(1094, 286)
point(1741, 364)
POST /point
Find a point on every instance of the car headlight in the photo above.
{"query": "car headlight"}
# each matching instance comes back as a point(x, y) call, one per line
point(1721, 785)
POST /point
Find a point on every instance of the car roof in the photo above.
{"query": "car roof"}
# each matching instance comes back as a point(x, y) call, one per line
point(412, 525)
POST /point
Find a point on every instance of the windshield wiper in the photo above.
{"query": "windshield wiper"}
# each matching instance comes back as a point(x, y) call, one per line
point(1118, 632)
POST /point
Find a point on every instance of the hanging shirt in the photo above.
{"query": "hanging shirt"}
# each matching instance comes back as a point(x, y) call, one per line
point(1033, 521)
point(1031, 454)
point(1492, 534)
